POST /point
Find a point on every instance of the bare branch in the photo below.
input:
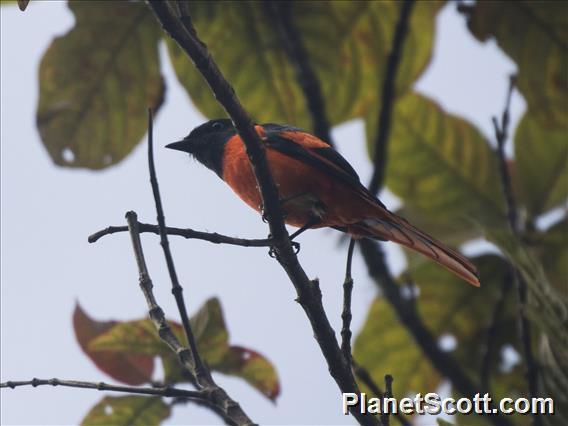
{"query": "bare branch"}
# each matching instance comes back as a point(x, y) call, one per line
point(188, 233)
point(230, 410)
point(202, 373)
point(531, 367)
point(309, 295)
point(281, 14)
point(165, 391)
point(346, 314)
point(388, 97)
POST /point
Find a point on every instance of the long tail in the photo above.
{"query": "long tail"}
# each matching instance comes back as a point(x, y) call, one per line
point(394, 228)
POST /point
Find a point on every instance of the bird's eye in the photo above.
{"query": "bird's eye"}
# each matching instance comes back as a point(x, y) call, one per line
point(217, 126)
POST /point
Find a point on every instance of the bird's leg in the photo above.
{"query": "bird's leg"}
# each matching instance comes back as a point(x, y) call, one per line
point(295, 245)
point(311, 222)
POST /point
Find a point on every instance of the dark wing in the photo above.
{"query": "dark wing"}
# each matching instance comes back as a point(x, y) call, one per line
point(327, 160)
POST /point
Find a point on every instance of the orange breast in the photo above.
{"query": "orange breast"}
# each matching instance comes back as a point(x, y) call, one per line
point(295, 180)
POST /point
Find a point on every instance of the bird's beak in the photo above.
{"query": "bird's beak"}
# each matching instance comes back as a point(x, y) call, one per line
point(179, 146)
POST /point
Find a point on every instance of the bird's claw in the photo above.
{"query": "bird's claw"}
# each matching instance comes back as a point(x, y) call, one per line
point(295, 246)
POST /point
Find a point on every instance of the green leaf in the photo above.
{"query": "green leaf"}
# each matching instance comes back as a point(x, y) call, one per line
point(535, 36)
point(127, 367)
point(547, 306)
point(128, 411)
point(441, 166)
point(448, 307)
point(97, 82)
point(349, 60)
point(140, 337)
point(541, 156)
point(251, 366)
point(551, 247)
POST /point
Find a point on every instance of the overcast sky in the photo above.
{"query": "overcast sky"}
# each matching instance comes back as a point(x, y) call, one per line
point(48, 212)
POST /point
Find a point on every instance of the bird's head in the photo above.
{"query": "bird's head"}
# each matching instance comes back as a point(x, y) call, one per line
point(206, 143)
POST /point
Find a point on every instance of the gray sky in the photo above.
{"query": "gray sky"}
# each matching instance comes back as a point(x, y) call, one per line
point(48, 212)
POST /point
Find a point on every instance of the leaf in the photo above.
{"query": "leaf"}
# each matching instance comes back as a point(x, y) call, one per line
point(551, 247)
point(251, 366)
point(448, 308)
point(441, 166)
point(208, 325)
point(128, 411)
point(126, 367)
point(547, 306)
point(535, 36)
point(349, 59)
point(542, 165)
point(97, 82)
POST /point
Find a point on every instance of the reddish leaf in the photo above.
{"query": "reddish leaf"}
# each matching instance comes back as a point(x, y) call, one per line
point(127, 368)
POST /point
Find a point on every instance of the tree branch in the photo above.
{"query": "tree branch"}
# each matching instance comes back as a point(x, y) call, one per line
point(188, 233)
point(202, 373)
point(230, 410)
point(489, 353)
point(388, 97)
point(309, 295)
point(165, 391)
point(531, 368)
point(281, 13)
point(346, 314)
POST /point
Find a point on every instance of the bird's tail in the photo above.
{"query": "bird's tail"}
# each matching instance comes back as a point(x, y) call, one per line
point(394, 228)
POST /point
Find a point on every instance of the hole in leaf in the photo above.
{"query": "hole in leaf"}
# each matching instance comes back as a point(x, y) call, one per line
point(107, 410)
point(509, 358)
point(447, 342)
point(409, 291)
point(159, 372)
point(68, 155)
point(246, 356)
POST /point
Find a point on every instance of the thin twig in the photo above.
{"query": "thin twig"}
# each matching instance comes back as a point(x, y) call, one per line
point(346, 314)
point(309, 295)
point(365, 377)
point(165, 391)
point(202, 373)
point(188, 233)
point(388, 97)
point(281, 14)
point(388, 394)
point(531, 368)
point(230, 410)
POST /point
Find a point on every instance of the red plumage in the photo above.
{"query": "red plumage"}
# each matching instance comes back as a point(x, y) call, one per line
point(315, 183)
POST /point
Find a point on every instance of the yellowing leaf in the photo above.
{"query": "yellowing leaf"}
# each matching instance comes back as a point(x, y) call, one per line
point(535, 35)
point(347, 44)
point(448, 308)
point(97, 82)
point(128, 411)
point(541, 156)
point(253, 367)
point(141, 338)
point(441, 166)
point(128, 367)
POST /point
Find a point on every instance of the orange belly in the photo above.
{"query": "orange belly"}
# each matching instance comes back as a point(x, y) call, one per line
point(303, 189)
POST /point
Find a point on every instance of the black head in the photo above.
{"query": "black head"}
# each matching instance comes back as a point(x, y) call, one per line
point(206, 143)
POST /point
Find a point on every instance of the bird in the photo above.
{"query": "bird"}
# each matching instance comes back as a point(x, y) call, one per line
point(317, 187)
